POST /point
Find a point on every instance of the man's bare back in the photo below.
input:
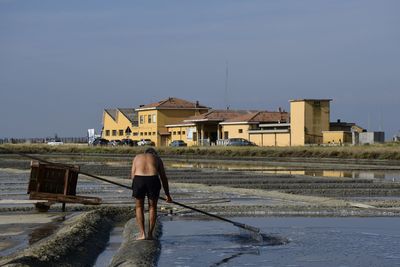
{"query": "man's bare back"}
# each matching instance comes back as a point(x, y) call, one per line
point(149, 164)
point(145, 164)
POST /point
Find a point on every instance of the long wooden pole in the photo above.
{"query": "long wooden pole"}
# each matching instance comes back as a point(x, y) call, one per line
point(240, 225)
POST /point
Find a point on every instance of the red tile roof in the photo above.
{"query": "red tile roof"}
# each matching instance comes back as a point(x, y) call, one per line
point(219, 115)
point(173, 103)
point(261, 117)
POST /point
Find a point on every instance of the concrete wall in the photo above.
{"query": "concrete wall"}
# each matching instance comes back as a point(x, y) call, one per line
point(297, 122)
point(182, 133)
point(317, 120)
point(371, 138)
point(270, 139)
point(234, 130)
point(337, 137)
point(308, 118)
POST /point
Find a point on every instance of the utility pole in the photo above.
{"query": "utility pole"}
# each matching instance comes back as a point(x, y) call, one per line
point(226, 86)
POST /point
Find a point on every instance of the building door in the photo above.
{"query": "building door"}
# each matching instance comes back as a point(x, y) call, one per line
point(226, 135)
point(213, 137)
point(164, 140)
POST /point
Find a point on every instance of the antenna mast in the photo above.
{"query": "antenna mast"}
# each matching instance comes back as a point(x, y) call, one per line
point(226, 86)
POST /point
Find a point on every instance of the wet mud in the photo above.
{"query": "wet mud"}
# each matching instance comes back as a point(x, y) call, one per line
point(138, 252)
point(76, 244)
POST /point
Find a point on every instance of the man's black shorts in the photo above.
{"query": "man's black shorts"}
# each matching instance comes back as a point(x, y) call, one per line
point(146, 185)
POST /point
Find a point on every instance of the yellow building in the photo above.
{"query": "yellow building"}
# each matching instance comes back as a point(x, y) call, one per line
point(264, 128)
point(308, 119)
point(206, 129)
point(341, 133)
point(176, 119)
point(337, 137)
point(148, 121)
point(119, 123)
point(182, 131)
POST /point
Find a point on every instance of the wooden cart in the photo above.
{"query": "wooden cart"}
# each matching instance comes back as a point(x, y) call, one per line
point(56, 183)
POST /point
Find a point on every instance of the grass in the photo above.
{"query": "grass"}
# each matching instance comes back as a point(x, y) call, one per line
point(390, 151)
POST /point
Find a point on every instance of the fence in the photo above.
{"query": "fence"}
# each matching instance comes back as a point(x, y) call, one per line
point(66, 140)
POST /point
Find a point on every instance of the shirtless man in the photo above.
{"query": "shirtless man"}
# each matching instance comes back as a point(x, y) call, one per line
point(147, 170)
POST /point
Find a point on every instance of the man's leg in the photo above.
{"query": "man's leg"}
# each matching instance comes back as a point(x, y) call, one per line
point(152, 217)
point(140, 218)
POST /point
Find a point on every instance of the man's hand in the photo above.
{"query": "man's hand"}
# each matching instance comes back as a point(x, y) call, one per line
point(168, 199)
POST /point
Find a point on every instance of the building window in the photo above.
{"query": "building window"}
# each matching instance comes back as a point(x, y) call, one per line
point(107, 132)
point(121, 132)
point(141, 119)
point(226, 135)
point(183, 132)
point(195, 136)
point(154, 118)
point(145, 133)
point(179, 132)
point(114, 132)
point(141, 133)
point(154, 133)
point(135, 134)
point(174, 133)
point(149, 119)
point(240, 130)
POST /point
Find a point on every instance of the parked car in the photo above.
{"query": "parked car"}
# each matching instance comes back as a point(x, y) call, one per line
point(146, 142)
point(239, 142)
point(55, 142)
point(114, 143)
point(129, 142)
point(178, 143)
point(100, 142)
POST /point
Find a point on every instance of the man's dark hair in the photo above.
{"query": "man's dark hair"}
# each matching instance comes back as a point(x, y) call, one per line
point(152, 151)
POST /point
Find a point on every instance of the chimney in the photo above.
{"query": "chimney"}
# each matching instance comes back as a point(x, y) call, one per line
point(338, 121)
point(197, 104)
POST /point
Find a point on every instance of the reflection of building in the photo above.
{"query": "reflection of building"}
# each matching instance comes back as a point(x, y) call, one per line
point(176, 119)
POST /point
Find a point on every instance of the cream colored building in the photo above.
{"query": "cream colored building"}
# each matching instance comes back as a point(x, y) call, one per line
point(119, 123)
point(308, 119)
point(341, 133)
point(176, 119)
point(149, 121)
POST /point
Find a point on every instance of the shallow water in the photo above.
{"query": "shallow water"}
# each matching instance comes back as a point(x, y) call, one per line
point(20, 235)
point(105, 258)
point(313, 242)
point(294, 169)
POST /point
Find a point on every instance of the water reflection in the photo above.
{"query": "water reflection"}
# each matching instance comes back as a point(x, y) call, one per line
point(391, 175)
point(42, 232)
point(314, 242)
point(251, 251)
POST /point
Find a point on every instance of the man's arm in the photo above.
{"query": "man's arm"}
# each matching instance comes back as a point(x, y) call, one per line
point(164, 179)
point(133, 169)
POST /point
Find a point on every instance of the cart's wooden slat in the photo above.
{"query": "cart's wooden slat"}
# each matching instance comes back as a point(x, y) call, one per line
point(65, 198)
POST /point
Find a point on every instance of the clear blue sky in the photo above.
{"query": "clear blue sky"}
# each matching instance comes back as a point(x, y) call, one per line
point(63, 62)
